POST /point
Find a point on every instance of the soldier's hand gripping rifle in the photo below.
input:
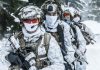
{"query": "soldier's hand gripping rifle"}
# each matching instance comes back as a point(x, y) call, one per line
point(17, 56)
point(80, 57)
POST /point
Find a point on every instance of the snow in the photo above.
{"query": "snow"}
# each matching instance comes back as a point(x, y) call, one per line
point(93, 56)
point(93, 25)
point(93, 51)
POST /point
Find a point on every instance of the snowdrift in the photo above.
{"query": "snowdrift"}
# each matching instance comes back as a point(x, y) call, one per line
point(93, 25)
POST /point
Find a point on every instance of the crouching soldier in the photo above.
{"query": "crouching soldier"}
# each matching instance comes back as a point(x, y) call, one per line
point(33, 48)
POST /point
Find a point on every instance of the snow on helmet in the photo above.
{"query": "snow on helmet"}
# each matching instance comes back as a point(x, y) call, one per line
point(66, 15)
point(30, 16)
point(66, 12)
point(29, 12)
point(50, 7)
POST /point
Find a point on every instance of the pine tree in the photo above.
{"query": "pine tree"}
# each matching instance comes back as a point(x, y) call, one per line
point(6, 19)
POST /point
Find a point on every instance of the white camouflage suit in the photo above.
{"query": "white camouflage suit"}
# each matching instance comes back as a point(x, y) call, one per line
point(54, 52)
point(67, 39)
point(80, 63)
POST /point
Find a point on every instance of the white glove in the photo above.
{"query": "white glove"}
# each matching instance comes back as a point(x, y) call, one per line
point(81, 51)
point(78, 52)
point(93, 41)
point(70, 58)
point(31, 55)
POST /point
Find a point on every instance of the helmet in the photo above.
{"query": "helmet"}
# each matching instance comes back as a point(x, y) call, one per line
point(30, 16)
point(50, 7)
point(66, 12)
point(66, 15)
point(29, 12)
point(76, 17)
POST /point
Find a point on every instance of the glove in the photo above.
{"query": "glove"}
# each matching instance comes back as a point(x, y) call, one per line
point(70, 57)
point(30, 55)
point(80, 52)
point(30, 58)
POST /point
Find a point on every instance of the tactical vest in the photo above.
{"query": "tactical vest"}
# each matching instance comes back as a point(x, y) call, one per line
point(59, 36)
point(40, 63)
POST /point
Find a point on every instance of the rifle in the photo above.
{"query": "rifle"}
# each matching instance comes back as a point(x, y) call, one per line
point(17, 57)
point(80, 57)
point(88, 38)
point(85, 34)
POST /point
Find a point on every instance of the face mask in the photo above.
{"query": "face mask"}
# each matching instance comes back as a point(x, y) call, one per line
point(31, 27)
point(76, 19)
point(51, 21)
point(67, 18)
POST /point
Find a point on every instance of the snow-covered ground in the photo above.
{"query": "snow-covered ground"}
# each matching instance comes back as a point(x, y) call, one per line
point(93, 55)
point(93, 25)
point(93, 51)
point(4, 64)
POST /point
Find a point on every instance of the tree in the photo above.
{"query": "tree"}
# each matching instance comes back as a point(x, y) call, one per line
point(6, 8)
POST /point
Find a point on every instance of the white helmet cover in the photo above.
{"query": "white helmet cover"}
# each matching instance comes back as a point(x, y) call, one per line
point(29, 12)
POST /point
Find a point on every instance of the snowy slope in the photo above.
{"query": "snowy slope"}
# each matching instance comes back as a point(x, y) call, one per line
point(93, 57)
point(93, 51)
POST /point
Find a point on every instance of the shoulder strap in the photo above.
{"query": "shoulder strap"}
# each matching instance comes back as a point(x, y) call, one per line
point(60, 29)
point(21, 39)
point(47, 38)
point(16, 35)
point(75, 35)
point(14, 42)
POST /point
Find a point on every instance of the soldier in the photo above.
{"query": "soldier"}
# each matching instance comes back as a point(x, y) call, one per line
point(78, 39)
point(83, 36)
point(33, 48)
point(59, 29)
point(87, 33)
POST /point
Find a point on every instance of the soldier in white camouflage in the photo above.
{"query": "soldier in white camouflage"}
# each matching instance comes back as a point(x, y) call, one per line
point(33, 48)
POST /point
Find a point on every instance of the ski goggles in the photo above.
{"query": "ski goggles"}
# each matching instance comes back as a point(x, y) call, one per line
point(30, 21)
point(66, 14)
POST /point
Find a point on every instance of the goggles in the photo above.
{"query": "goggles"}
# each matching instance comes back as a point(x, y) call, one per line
point(66, 14)
point(30, 21)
